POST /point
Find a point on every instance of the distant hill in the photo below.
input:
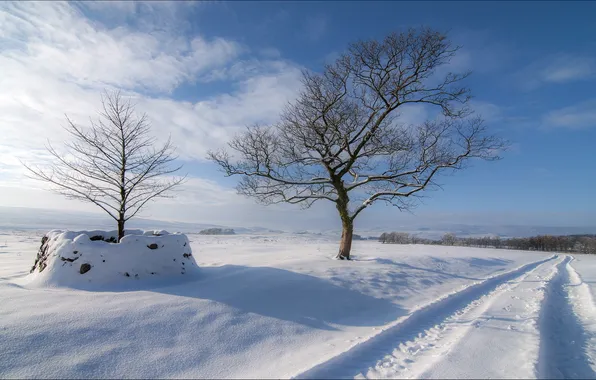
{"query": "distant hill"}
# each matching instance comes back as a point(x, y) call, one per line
point(23, 218)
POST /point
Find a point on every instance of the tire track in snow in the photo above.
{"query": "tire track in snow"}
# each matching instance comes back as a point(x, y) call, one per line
point(564, 342)
point(486, 341)
point(364, 355)
point(583, 304)
point(582, 299)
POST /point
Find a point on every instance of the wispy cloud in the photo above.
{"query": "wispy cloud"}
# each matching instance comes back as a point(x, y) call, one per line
point(146, 16)
point(568, 68)
point(314, 27)
point(488, 111)
point(579, 116)
point(557, 69)
point(481, 51)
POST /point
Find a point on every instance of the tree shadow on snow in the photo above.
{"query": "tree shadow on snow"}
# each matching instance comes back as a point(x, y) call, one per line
point(488, 262)
point(287, 295)
point(412, 267)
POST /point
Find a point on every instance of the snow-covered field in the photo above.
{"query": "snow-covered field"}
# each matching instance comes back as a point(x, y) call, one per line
point(280, 306)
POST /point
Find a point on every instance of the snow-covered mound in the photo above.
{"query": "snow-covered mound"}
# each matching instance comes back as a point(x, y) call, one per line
point(81, 258)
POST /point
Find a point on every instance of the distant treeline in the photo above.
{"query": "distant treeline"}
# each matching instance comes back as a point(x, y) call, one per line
point(217, 231)
point(570, 243)
point(359, 237)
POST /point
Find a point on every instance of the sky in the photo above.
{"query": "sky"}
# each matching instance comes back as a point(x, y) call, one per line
point(203, 71)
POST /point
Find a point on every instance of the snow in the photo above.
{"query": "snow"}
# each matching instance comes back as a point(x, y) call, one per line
point(279, 306)
point(492, 335)
point(93, 259)
point(564, 344)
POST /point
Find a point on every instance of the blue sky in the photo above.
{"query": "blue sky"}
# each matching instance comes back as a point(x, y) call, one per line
point(203, 70)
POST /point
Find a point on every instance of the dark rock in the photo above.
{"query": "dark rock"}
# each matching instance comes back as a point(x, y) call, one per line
point(187, 255)
point(126, 274)
point(85, 268)
point(152, 246)
point(111, 239)
point(42, 255)
point(69, 259)
point(75, 252)
point(104, 261)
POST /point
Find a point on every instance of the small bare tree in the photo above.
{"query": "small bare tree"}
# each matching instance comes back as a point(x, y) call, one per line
point(342, 140)
point(114, 164)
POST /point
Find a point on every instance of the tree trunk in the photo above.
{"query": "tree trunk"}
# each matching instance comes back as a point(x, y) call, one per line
point(343, 201)
point(345, 245)
point(120, 229)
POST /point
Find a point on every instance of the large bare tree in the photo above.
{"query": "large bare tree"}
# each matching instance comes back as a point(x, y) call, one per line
point(113, 164)
point(343, 141)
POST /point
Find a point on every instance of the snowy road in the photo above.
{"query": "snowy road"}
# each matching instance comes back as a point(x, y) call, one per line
point(536, 321)
point(280, 307)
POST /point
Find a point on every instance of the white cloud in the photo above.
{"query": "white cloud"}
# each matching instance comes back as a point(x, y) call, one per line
point(208, 124)
point(61, 43)
point(580, 116)
point(55, 61)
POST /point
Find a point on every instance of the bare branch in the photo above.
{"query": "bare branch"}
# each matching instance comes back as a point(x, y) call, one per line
point(113, 164)
point(343, 138)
